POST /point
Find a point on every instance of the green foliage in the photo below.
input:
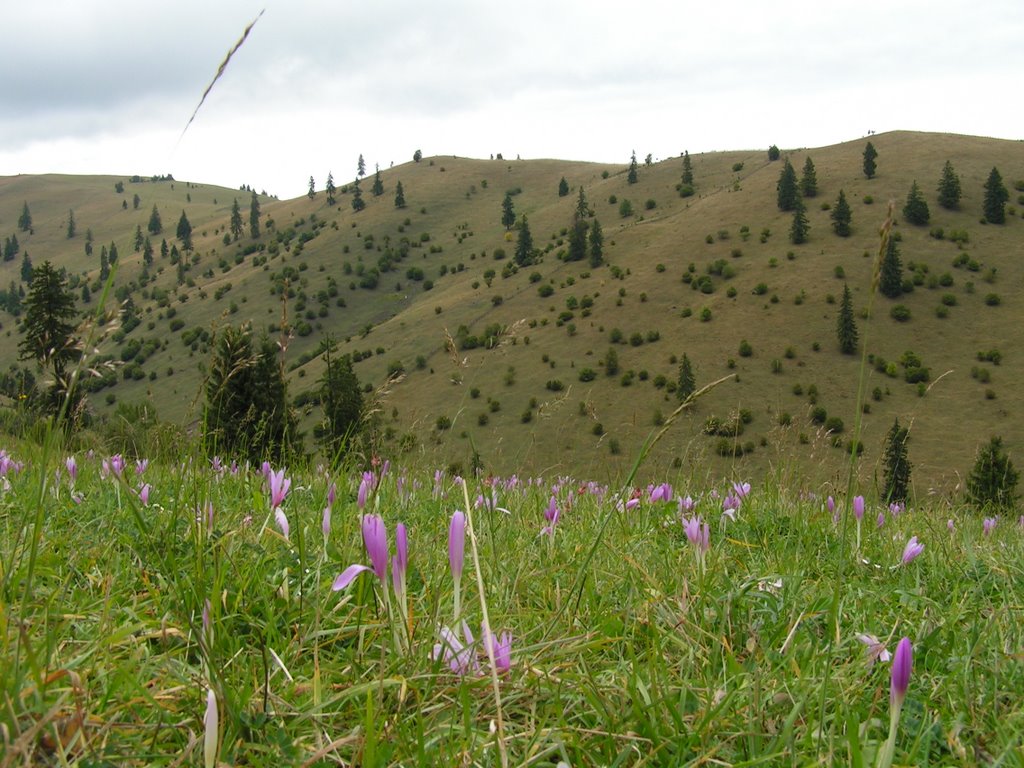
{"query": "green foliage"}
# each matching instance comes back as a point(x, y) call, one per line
point(687, 180)
point(25, 219)
point(846, 325)
point(378, 184)
point(358, 204)
point(992, 483)
point(890, 281)
point(915, 210)
point(508, 212)
point(870, 158)
point(254, 217)
point(48, 335)
point(631, 175)
point(787, 192)
point(311, 192)
point(625, 208)
point(341, 398)
point(596, 244)
point(773, 153)
point(155, 226)
point(809, 180)
point(801, 226)
point(896, 466)
point(949, 187)
point(183, 233)
point(563, 187)
point(996, 196)
point(525, 254)
point(399, 195)
point(686, 383)
point(577, 241)
point(247, 409)
point(329, 188)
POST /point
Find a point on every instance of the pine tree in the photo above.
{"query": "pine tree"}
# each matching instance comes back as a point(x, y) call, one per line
point(139, 238)
point(147, 251)
point(890, 279)
point(870, 155)
point(136, 201)
point(915, 210)
point(596, 242)
point(48, 334)
point(524, 255)
point(399, 196)
point(993, 480)
point(311, 192)
point(360, 167)
point(113, 251)
point(687, 170)
point(896, 472)
point(247, 409)
point(330, 189)
point(995, 198)
point(254, 217)
point(71, 224)
point(801, 226)
point(582, 209)
point(25, 220)
point(687, 383)
point(508, 213)
point(88, 242)
point(577, 241)
point(949, 187)
point(417, 156)
point(378, 184)
point(26, 269)
point(342, 400)
point(184, 233)
point(358, 203)
point(563, 187)
point(631, 176)
point(809, 180)
point(155, 226)
point(787, 188)
point(846, 325)
point(773, 153)
point(236, 220)
point(841, 216)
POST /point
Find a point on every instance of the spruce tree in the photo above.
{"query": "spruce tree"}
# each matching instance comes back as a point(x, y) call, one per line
point(890, 278)
point(25, 219)
point(995, 198)
point(399, 195)
point(563, 187)
point(773, 153)
point(949, 187)
point(358, 203)
point(155, 226)
point(896, 470)
point(582, 209)
point(254, 217)
point(993, 480)
point(139, 238)
point(508, 212)
point(870, 156)
point(577, 241)
point(524, 244)
point(801, 226)
point(842, 216)
point(183, 233)
point(342, 400)
point(915, 210)
point(378, 184)
point(330, 189)
point(71, 224)
point(596, 242)
point(26, 268)
point(48, 333)
point(809, 180)
point(687, 170)
point(846, 325)
point(687, 383)
point(311, 192)
point(631, 176)
point(236, 220)
point(360, 167)
point(787, 187)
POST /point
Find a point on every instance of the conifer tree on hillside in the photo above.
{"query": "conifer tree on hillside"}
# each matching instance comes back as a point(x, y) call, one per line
point(582, 209)
point(687, 383)
point(773, 153)
point(996, 196)
point(378, 184)
point(915, 210)
point(136, 201)
point(563, 187)
point(48, 333)
point(870, 157)
point(311, 192)
point(25, 219)
point(846, 325)
point(358, 203)
point(524, 255)
point(809, 180)
point(183, 233)
point(992, 483)
point(71, 224)
point(787, 192)
point(147, 251)
point(596, 243)
point(577, 241)
point(236, 220)
point(508, 212)
point(155, 226)
point(360, 167)
point(801, 226)
point(330, 189)
point(897, 466)
point(842, 218)
point(687, 169)
point(254, 217)
point(631, 176)
point(890, 280)
point(342, 400)
point(139, 238)
point(399, 195)
point(26, 268)
point(949, 187)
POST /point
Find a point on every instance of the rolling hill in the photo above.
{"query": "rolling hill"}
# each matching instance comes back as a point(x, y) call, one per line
point(513, 363)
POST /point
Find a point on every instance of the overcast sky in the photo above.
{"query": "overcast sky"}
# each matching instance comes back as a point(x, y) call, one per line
point(107, 86)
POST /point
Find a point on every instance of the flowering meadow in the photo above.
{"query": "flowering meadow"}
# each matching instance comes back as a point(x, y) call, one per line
point(205, 613)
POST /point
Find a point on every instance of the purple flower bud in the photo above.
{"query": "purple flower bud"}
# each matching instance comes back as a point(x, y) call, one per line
point(279, 486)
point(988, 524)
point(901, 665)
point(912, 550)
point(325, 523)
point(457, 543)
point(830, 505)
point(858, 507)
point(211, 726)
point(375, 540)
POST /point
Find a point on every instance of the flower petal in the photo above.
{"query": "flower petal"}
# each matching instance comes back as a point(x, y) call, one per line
point(347, 576)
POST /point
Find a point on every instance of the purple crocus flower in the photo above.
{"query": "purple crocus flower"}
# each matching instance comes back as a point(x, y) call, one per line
point(117, 464)
point(699, 535)
point(988, 524)
point(730, 506)
point(144, 494)
point(500, 650)
point(72, 467)
point(211, 727)
point(876, 649)
point(686, 504)
point(325, 523)
point(459, 658)
point(858, 507)
point(950, 525)
point(741, 489)
point(282, 521)
point(901, 666)
point(279, 486)
point(830, 505)
point(141, 465)
point(912, 549)
point(376, 543)
point(881, 519)
point(661, 492)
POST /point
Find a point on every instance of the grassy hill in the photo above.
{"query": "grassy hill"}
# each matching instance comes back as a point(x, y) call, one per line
point(522, 403)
